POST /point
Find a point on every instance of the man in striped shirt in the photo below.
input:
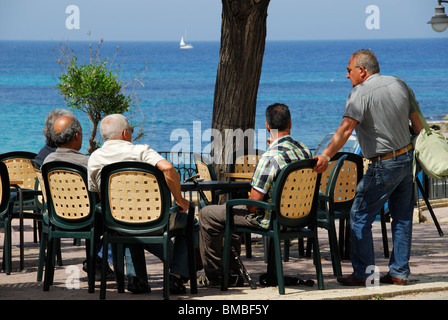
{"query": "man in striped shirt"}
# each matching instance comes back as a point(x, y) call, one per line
point(282, 151)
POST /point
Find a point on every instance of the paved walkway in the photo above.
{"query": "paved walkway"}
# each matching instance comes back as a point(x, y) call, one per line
point(429, 267)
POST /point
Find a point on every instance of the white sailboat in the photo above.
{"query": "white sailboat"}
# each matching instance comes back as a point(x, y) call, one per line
point(184, 45)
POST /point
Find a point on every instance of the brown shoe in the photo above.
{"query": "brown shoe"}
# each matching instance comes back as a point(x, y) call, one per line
point(351, 280)
point(392, 280)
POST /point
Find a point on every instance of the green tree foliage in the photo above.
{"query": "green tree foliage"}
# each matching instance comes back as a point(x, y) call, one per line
point(93, 87)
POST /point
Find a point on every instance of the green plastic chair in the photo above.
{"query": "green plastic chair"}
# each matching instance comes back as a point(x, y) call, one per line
point(71, 213)
point(328, 197)
point(336, 199)
point(136, 206)
point(6, 212)
point(244, 161)
point(207, 173)
point(20, 168)
point(45, 226)
point(293, 209)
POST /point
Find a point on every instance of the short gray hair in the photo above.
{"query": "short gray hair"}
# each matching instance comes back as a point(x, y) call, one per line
point(367, 59)
point(112, 126)
point(68, 133)
point(49, 122)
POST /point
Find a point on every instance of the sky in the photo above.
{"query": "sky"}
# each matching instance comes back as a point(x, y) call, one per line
point(200, 20)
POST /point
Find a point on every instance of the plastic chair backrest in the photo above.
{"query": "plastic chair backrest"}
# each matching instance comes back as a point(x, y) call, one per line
point(135, 197)
point(244, 161)
point(40, 179)
point(70, 204)
point(20, 167)
point(206, 172)
point(343, 189)
point(295, 194)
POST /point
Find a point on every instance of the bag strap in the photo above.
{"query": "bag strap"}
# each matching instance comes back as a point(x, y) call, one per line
point(416, 107)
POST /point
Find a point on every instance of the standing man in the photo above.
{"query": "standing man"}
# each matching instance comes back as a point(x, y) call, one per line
point(380, 109)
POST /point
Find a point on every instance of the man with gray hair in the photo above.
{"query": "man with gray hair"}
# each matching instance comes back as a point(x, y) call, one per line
point(66, 134)
point(379, 107)
point(50, 146)
point(117, 133)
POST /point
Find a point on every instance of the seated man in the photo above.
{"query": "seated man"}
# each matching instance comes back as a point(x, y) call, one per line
point(50, 146)
point(117, 133)
point(67, 136)
point(282, 151)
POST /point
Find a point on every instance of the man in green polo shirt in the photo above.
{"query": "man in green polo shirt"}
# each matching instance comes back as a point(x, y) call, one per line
point(282, 151)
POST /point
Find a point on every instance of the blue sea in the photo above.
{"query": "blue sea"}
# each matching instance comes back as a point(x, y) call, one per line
point(177, 96)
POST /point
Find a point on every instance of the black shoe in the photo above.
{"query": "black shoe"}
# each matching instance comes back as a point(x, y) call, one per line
point(176, 284)
point(110, 275)
point(392, 280)
point(135, 285)
point(351, 280)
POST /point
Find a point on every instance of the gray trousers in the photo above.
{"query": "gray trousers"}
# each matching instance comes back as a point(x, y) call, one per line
point(212, 221)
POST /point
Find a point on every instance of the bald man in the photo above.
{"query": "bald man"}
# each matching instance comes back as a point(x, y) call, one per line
point(67, 135)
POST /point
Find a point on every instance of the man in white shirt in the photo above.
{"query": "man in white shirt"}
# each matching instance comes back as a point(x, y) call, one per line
point(117, 133)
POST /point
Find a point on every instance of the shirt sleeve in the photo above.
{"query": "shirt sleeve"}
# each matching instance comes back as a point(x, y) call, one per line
point(93, 174)
point(151, 156)
point(354, 106)
point(263, 175)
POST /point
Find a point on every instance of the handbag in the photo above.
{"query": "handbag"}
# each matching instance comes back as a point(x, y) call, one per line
point(430, 148)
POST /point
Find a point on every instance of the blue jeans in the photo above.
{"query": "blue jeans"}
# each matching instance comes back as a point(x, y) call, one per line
point(385, 180)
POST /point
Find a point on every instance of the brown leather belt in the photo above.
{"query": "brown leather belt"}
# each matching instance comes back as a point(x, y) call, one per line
point(392, 154)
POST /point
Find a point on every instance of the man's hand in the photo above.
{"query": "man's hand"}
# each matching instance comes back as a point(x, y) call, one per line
point(322, 163)
point(184, 204)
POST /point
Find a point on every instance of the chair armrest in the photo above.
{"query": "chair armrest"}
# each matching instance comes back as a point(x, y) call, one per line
point(249, 202)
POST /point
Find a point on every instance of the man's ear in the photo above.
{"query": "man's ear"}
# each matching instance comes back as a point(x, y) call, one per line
point(267, 127)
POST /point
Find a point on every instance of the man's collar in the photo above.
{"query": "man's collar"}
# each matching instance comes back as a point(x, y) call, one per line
point(278, 140)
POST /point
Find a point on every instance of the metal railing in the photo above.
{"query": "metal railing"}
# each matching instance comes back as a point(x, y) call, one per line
point(185, 167)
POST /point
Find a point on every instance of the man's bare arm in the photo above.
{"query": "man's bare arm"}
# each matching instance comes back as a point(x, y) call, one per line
point(340, 137)
point(173, 182)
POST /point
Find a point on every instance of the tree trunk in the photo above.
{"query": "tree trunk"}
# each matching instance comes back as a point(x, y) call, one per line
point(243, 35)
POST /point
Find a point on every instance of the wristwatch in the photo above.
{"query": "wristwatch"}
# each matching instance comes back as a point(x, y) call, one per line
point(326, 157)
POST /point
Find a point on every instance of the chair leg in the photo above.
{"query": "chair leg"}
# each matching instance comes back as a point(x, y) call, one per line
point(334, 250)
point(7, 251)
point(41, 261)
point(309, 246)
point(278, 264)
point(103, 268)
point(286, 246)
point(58, 252)
point(317, 263)
point(90, 250)
point(119, 267)
point(225, 261)
point(192, 264)
point(49, 264)
point(301, 248)
point(166, 271)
